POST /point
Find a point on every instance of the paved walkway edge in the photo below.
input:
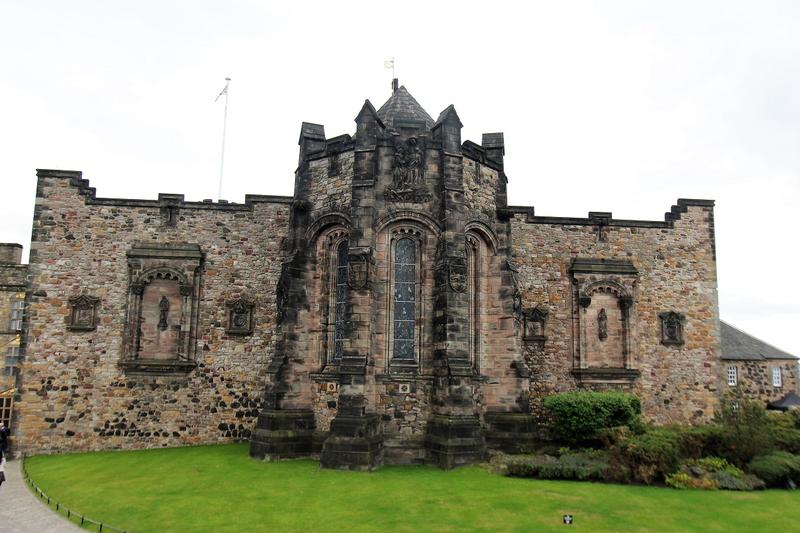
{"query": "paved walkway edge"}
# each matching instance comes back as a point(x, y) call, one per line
point(22, 512)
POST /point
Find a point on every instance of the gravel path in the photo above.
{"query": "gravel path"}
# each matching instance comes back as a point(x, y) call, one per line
point(22, 512)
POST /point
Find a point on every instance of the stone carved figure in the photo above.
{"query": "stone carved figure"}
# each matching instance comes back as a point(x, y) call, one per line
point(407, 166)
point(602, 325)
point(407, 184)
point(163, 307)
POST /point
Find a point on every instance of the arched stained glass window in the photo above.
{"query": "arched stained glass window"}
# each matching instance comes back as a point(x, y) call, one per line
point(473, 291)
point(405, 298)
point(340, 300)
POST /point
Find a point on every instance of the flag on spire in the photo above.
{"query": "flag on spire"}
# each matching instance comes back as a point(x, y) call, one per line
point(224, 89)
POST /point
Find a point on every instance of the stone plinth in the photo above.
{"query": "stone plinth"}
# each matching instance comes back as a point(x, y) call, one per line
point(453, 441)
point(282, 434)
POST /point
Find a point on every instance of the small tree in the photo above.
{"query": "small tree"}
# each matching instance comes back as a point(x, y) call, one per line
point(745, 425)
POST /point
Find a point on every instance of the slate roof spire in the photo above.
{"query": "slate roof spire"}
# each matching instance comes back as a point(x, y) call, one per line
point(402, 110)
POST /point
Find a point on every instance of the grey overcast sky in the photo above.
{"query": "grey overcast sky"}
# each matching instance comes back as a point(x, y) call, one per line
point(606, 106)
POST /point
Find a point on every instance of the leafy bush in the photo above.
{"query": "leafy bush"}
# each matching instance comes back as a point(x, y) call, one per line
point(711, 473)
point(682, 480)
point(786, 439)
point(703, 441)
point(776, 468)
point(584, 465)
point(650, 456)
point(782, 419)
point(526, 465)
point(580, 416)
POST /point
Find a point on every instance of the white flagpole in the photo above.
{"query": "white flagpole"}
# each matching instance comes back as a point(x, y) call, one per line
point(224, 128)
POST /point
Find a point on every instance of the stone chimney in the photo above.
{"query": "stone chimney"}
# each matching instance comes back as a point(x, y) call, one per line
point(10, 253)
point(395, 85)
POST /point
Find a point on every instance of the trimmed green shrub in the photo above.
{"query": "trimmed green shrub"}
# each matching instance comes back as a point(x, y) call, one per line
point(650, 456)
point(580, 416)
point(776, 468)
point(525, 465)
point(583, 465)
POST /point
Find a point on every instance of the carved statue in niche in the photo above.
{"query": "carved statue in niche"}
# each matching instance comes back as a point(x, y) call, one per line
point(163, 307)
point(602, 325)
point(407, 184)
point(83, 313)
point(160, 323)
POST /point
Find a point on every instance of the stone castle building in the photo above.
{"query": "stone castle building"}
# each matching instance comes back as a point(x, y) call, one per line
point(396, 309)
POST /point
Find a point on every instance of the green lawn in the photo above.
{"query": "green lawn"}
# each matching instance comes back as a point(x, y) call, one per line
point(219, 488)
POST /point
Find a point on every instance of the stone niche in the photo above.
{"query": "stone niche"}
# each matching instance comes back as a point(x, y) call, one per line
point(603, 318)
point(161, 322)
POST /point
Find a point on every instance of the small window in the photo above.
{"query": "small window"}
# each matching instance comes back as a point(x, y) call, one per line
point(732, 376)
point(777, 378)
point(17, 309)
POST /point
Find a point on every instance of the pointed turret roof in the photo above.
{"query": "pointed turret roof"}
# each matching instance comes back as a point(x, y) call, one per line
point(403, 109)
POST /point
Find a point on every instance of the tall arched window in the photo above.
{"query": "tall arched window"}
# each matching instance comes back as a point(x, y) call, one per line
point(339, 299)
point(473, 290)
point(405, 299)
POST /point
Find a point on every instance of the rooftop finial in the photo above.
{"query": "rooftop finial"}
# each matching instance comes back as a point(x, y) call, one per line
point(394, 85)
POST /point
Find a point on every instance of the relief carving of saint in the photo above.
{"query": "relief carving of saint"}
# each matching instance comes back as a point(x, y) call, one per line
point(163, 307)
point(602, 325)
point(407, 183)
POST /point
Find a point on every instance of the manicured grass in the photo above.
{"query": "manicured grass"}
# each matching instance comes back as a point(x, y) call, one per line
point(219, 488)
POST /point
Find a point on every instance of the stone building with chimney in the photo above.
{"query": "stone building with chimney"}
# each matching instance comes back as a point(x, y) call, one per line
point(395, 309)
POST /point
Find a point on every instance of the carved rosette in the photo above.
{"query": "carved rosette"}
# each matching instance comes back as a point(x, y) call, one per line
point(240, 316)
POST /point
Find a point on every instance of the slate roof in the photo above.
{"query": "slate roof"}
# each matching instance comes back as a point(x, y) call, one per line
point(789, 401)
point(401, 108)
point(737, 344)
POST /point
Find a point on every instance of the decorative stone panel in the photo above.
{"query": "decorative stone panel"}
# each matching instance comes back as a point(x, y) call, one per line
point(82, 313)
point(671, 328)
point(240, 316)
point(534, 324)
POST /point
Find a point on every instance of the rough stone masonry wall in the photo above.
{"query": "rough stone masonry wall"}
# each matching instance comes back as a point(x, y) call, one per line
point(331, 181)
point(755, 378)
point(677, 272)
point(74, 395)
point(480, 185)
